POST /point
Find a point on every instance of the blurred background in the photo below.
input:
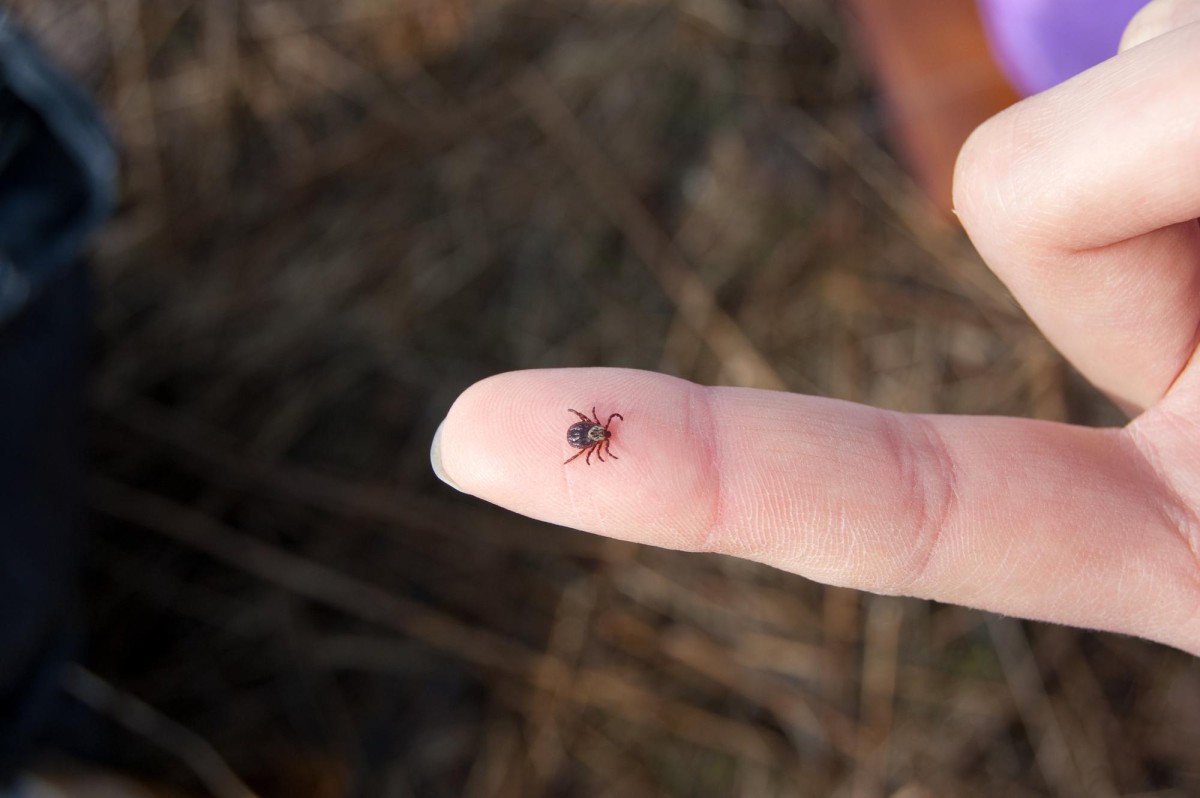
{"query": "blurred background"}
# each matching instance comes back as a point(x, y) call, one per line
point(337, 215)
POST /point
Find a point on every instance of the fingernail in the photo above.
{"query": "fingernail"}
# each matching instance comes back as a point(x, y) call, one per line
point(435, 458)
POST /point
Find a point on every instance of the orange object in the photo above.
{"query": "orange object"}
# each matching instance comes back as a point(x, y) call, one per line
point(938, 79)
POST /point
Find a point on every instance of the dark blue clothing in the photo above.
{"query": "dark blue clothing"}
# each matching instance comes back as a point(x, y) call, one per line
point(57, 178)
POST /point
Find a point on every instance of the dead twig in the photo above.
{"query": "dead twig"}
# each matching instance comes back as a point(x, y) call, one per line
point(312, 580)
point(200, 757)
point(740, 358)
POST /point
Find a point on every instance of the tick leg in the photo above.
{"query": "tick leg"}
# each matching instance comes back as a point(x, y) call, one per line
point(582, 417)
point(600, 452)
point(588, 459)
point(608, 448)
point(597, 417)
point(610, 418)
point(569, 459)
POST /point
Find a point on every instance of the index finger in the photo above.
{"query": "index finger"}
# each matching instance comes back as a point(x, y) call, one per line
point(1031, 518)
point(1083, 200)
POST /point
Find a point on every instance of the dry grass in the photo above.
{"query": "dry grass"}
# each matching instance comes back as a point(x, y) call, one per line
point(340, 214)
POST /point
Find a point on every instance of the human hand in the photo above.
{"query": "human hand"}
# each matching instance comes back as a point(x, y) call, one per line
point(1084, 200)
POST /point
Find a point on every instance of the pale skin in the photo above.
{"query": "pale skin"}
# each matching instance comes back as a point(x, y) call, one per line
point(1084, 201)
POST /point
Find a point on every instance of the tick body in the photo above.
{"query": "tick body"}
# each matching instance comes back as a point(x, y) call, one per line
point(589, 435)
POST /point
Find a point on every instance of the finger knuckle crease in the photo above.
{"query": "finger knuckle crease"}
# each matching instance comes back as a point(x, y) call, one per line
point(712, 535)
point(928, 478)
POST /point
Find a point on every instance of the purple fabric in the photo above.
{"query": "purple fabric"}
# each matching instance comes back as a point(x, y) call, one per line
point(1040, 43)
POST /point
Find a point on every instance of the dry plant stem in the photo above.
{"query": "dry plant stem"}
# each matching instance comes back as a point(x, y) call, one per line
point(312, 580)
point(706, 663)
point(1035, 709)
point(568, 637)
point(144, 720)
point(221, 52)
point(135, 99)
point(941, 240)
point(620, 768)
point(878, 694)
point(1096, 722)
point(621, 694)
point(740, 358)
point(492, 772)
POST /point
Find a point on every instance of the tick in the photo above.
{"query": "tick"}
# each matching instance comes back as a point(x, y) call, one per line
point(591, 436)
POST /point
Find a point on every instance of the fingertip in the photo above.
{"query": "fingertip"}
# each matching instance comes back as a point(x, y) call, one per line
point(505, 441)
point(477, 431)
point(435, 458)
point(967, 176)
point(503, 438)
